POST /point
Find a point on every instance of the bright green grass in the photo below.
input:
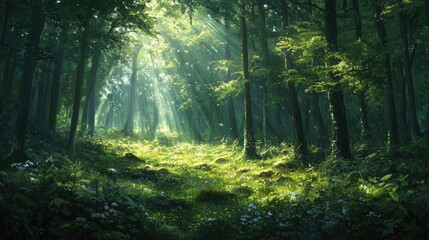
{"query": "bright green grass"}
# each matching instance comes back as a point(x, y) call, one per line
point(161, 190)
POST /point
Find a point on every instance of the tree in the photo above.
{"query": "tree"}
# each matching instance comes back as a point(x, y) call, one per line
point(341, 141)
point(295, 111)
point(403, 20)
point(365, 132)
point(249, 135)
point(56, 76)
point(33, 38)
point(80, 71)
point(393, 124)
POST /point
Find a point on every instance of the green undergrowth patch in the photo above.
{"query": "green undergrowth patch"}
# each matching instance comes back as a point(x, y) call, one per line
point(121, 187)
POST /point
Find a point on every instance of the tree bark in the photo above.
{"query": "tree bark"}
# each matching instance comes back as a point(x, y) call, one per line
point(403, 18)
point(265, 63)
point(317, 116)
point(295, 111)
point(80, 71)
point(393, 124)
point(34, 33)
point(341, 141)
point(90, 97)
point(365, 132)
point(129, 124)
point(230, 102)
point(56, 78)
point(249, 135)
point(403, 101)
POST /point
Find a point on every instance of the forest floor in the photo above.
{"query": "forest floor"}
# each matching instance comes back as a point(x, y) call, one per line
point(120, 187)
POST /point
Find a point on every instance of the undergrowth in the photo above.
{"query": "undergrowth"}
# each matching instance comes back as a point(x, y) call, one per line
point(120, 187)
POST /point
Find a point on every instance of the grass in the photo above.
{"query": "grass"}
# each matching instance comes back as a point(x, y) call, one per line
point(122, 187)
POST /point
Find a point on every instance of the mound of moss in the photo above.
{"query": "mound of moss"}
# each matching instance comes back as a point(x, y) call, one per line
point(214, 196)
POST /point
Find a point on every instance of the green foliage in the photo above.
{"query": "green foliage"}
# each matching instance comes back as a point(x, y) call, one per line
point(107, 196)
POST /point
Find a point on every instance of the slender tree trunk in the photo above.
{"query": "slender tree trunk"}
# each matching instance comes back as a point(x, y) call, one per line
point(56, 78)
point(295, 111)
point(129, 124)
point(41, 96)
point(265, 56)
point(317, 116)
point(249, 135)
point(341, 141)
point(155, 121)
point(403, 18)
point(80, 71)
point(403, 101)
point(393, 124)
point(91, 91)
point(7, 84)
point(34, 33)
point(365, 132)
point(230, 104)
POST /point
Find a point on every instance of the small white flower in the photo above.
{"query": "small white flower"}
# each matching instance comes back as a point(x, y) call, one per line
point(114, 204)
point(50, 159)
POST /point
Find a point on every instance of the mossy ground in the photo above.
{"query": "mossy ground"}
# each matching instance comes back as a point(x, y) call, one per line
point(120, 187)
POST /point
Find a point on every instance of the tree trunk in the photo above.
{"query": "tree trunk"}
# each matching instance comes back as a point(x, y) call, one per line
point(393, 124)
point(42, 88)
point(317, 116)
point(80, 71)
point(56, 78)
point(265, 56)
point(403, 101)
point(155, 120)
point(34, 33)
point(249, 135)
point(129, 124)
point(7, 80)
point(341, 141)
point(90, 97)
point(365, 132)
point(295, 112)
point(230, 104)
point(403, 18)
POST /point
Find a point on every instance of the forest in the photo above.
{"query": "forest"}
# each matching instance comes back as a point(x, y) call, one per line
point(214, 119)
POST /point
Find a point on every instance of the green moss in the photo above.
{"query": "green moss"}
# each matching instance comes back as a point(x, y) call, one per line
point(214, 196)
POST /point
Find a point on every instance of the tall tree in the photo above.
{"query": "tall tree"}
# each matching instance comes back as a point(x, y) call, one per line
point(230, 104)
point(36, 26)
point(341, 141)
point(295, 111)
point(80, 71)
point(249, 134)
point(403, 22)
point(129, 124)
point(90, 96)
point(56, 76)
point(393, 124)
point(265, 56)
point(361, 93)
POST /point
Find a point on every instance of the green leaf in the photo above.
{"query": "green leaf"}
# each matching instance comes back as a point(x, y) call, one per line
point(394, 196)
point(386, 177)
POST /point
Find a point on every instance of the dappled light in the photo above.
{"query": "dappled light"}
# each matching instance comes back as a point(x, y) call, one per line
point(214, 119)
